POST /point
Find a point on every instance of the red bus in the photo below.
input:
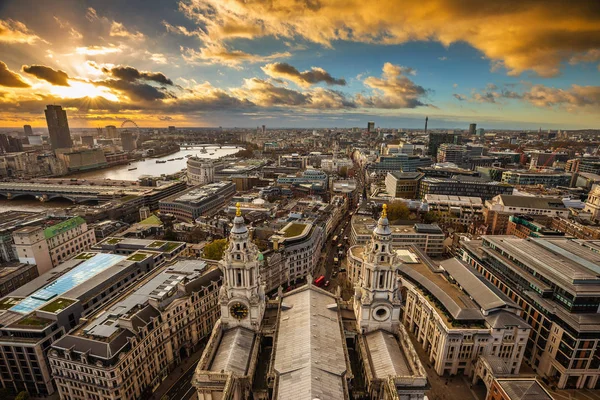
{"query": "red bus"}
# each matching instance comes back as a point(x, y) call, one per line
point(320, 281)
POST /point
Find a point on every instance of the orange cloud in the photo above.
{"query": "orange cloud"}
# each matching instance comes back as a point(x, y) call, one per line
point(12, 31)
point(305, 79)
point(218, 53)
point(518, 35)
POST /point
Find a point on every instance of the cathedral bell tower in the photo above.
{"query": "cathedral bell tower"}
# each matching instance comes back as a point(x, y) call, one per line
point(242, 296)
point(376, 296)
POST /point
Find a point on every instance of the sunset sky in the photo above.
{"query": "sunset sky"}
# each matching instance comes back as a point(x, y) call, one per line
point(302, 63)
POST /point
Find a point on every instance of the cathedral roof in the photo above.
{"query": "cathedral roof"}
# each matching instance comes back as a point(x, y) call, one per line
point(383, 225)
point(239, 226)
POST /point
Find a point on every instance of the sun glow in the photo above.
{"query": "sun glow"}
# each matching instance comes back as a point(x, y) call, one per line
point(82, 89)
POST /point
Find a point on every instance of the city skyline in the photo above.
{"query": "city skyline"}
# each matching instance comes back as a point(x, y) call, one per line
point(201, 63)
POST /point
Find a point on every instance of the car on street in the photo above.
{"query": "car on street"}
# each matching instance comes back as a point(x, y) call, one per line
point(326, 283)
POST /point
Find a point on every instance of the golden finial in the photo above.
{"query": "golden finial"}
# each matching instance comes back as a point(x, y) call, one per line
point(384, 211)
point(238, 210)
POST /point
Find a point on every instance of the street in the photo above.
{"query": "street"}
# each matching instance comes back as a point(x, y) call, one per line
point(183, 389)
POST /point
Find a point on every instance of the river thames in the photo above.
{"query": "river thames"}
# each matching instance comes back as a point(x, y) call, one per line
point(148, 167)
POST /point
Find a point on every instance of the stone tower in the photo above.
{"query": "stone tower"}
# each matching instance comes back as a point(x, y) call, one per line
point(242, 296)
point(376, 296)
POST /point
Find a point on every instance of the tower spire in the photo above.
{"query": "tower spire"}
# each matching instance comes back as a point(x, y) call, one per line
point(384, 211)
point(238, 209)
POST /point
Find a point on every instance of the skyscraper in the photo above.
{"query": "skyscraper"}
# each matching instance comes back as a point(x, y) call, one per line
point(27, 129)
point(426, 120)
point(58, 127)
point(371, 126)
point(127, 141)
point(472, 129)
point(111, 131)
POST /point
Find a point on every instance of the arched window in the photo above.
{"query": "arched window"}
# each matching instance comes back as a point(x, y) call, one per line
point(376, 246)
point(238, 246)
point(383, 247)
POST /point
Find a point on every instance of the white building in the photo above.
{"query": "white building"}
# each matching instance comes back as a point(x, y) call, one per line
point(460, 210)
point(334, 165)
point(200, 171)
point(457, 318)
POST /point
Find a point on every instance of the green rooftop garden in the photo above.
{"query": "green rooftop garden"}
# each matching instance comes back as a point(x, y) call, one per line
point(157, 244)
point(171, 246)
point(34, 321)
point(136, 257)
point(293, 230)
point(57, 305)
point(151, 220)
point(113, 240)
point(8, 302)
point(64, 226)
point(127, 198)
point(85, 256)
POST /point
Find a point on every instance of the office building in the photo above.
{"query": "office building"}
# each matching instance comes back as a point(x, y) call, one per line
point(82, 160)
point(472, 129)
point(556, 283)
point(397, 163)
point(458, 319)
point(14, 275)
point(429, 238)
point(404, 185)
point(311, 179)
point(47, 308)
point(455, 210)
point(451, 153)
point(111, 132)
point(27, 130)
point(463, 186)
point(498, 210)
point(271, 348)
point(296, 251)
point(58, 127)
point(524, 226)
point(52, 241)
point(545, 179)
point(578, 229)
point(198, 201)
point(200, 171)
point(171, 312)
point(127, 141)
point(370, 126)
point(438, 138)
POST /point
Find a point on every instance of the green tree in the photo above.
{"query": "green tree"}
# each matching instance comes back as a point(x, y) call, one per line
point(397, 210)
point(430, 217)
point(215, 249)
point(22, 396)
point(170, 235)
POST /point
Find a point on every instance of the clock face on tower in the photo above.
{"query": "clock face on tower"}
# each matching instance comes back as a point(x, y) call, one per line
point(238, 310)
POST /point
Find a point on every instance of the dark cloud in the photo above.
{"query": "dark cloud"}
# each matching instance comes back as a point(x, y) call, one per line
point(55, 77)
point(11, 79)
point(131, 74)
point(306, 78)
point(136, 91)
point(459, 97)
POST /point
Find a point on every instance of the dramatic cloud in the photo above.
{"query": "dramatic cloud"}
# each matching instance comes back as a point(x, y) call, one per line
point(572, 99)
point(266, 94)
point(575, 97)
point(131, 74)
point(518, 35)
point(98, 50)
point(305, 79)
point(118, 29)
point(393, 90)
point(158, 58)
point(55, 77)
point(68, 27)
point(217, 53)
point(11, 79)
point(12, 31)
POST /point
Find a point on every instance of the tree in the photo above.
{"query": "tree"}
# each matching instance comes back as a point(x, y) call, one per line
point(22, 396)
point(215, 249)
point(170, 235)
point(397, 210)
point(430, 217)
